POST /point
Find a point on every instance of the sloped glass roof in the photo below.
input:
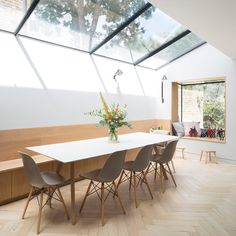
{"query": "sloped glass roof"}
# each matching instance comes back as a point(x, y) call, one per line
point(11, 13)
point(172, 52)
point(78, 24)
point(130, 31)
point(148, 32)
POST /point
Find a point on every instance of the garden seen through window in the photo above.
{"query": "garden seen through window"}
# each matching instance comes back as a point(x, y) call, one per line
point(203, 103)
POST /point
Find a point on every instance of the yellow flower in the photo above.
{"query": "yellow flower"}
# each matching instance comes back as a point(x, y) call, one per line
point(105, 106)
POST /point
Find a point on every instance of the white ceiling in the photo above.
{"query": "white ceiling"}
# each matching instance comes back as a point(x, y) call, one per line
point(212, 20)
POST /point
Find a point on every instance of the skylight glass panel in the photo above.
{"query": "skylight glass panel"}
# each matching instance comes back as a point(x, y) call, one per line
point(148, 32)
point(172, 52)
point(81, 24)
point(11, 13)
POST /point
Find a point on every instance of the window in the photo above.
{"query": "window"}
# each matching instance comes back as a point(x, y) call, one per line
point(148, 32)
point(78, 24)
point(134, 32)
point(203, 102)
point(173, 52)
point(11, 13)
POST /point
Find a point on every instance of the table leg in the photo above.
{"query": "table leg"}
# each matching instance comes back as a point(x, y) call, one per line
point(59, 167)
point(72, 189)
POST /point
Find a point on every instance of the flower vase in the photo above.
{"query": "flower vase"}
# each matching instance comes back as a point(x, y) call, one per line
point(113, 135)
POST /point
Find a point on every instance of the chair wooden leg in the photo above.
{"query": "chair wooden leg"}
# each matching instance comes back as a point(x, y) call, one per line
point(147, 170)
point(173, 167)
point(85, 197)
point(102, 203)
point(164, 173)
point(120, 179)
point(171, 174)
point(135, 197)
point(130, 180)
point(145, 179)
point(28, 200)
point(63, 203)
point(118, 196)
point(40, 211)
point(50, 194)
point(155, 176)
point(161, 178)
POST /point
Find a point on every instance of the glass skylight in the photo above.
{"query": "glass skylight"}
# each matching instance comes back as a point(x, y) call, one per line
point(11, 13)
point(131, 31)
point(78, 24)
point(148, 32)
point(173, 51)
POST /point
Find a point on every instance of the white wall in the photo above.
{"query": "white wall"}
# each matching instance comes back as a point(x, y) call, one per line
point(204, 62)
point(45, 85)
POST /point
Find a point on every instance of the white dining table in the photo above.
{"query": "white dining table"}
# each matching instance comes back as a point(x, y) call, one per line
point(70, 152)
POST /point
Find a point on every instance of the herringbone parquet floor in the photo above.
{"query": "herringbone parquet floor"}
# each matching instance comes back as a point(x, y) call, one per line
point(204, 203)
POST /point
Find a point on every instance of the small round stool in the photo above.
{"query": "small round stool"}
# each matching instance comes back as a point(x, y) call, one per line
point(210, 156)
point(181, 149)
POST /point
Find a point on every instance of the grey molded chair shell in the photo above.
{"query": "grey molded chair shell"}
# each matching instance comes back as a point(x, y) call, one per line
point(163, 160)
point(39, 179)
point(167, 153)
point(141, 161)
point(136, 169)
point(106, 175)
point(46, 182)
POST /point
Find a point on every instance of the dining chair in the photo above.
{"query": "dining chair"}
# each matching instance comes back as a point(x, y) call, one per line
point(46, 182)
point(133, 171)
point(159, 149)
point(104, 179)
point(163, 161)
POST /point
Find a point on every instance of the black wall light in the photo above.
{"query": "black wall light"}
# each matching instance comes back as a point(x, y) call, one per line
point(118, 72)
point(162, 85)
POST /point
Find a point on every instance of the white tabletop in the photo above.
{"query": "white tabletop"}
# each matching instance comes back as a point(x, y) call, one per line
point(88, 148)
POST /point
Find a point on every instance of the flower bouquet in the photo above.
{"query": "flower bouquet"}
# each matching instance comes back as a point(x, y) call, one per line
point(113, 117)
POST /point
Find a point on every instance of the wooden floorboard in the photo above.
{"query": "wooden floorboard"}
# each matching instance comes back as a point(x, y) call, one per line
point(203, 204)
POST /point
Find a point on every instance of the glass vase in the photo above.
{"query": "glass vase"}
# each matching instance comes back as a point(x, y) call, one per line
point(113, 135)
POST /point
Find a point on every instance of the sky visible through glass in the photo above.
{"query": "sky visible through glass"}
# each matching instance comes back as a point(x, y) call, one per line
point(84, 24)
point(147, 33)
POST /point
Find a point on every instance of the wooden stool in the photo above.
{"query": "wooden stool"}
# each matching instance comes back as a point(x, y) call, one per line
point(181, 149)
point(210, 156)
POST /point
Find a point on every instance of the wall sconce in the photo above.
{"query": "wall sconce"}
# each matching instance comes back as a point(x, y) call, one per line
point(162, 84)
point(118, 72)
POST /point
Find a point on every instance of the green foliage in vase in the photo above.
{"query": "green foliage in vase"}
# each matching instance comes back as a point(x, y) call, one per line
point(113, 116)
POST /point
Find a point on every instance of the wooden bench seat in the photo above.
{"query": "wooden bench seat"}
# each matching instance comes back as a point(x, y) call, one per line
point(13, 184)
point(17, 163)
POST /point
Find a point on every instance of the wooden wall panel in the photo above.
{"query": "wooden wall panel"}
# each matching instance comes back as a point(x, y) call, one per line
point(5, 184)
point(20, 185)
point(174, 105)
point(13, 140)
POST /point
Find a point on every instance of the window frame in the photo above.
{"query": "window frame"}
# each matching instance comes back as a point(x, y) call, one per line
point(175, 103)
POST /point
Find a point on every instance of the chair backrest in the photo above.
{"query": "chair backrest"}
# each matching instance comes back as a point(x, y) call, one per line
point(113, 166)
point(32, 171)
point(143, 158)
point(168, 152)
